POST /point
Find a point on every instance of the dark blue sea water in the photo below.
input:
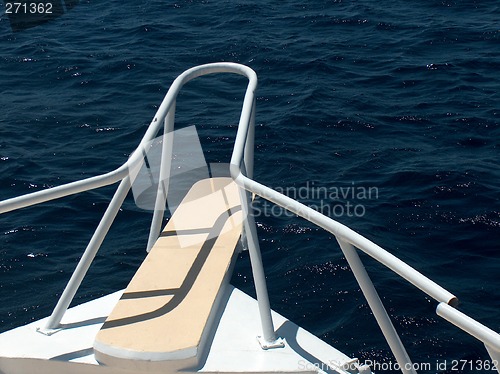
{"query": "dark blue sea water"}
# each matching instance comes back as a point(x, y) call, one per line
point(400, 97)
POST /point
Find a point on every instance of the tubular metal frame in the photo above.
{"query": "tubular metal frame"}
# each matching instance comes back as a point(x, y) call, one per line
point(241, 168)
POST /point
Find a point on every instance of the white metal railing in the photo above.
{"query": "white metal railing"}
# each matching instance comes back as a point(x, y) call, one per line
point(241, 168)
point(348, 240)
point(165, 114)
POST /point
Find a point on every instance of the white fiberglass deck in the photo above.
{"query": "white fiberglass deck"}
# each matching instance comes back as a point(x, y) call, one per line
point(234, 348)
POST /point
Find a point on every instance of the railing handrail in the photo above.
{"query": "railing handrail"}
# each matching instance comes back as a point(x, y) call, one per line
point(243, 154)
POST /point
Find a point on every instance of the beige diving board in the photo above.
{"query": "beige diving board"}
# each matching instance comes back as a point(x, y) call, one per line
point(162, 321)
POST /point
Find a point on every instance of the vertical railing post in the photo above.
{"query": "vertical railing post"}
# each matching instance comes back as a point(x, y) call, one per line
point(268, 339)
point(248, 157)
point(377, 307)
point(248, 162)
point(163, 178)
point(87, 257)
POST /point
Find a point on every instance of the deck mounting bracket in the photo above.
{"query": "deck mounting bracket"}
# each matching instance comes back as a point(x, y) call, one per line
point(46, 331)
point(265, 345)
